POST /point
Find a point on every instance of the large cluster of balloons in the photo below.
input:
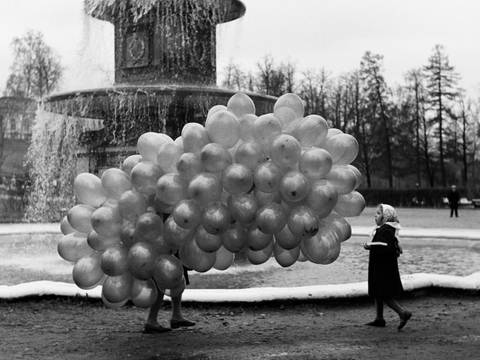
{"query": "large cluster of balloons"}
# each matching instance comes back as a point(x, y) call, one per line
point(278, 184)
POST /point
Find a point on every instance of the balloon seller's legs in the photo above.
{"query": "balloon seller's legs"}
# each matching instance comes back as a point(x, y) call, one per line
point(451, 212)
point(177, 317)
point(154, 309)
point(456, 211)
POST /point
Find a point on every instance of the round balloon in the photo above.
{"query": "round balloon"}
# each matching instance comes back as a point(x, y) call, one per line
point(115, 182)
point(88, 190)
point(87, 272)
point(223, 128)
point(116, 289)
point(292, 101)
point(240, 104)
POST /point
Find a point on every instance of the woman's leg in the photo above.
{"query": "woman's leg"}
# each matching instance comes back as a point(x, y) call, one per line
point(404, 314)
point(379, 320)
point(379, 308)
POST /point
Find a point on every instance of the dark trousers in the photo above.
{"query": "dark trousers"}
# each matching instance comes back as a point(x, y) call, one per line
point(454, 209)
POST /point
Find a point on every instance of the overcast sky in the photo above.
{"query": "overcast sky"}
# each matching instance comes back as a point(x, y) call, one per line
point(332, 34)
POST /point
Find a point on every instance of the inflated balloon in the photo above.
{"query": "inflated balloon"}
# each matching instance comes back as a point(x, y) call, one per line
point(358, 175)
point(267, 177)
point(265, 198)
point(235, 238)
point(271, 218)
point(284, 257)
point(143, 293)
point(127, 230)
point(112, 305)
point(149, 226)
point(285, 115)
point(247, 127)
point(106, 221)
point(315, 163)
point(116, 289)
point(302, 222)
point(170, 189)
point(215, 109)
point(73, 247)
point(144, 177)
point(87, 272)
point(189, 165)
point(267, 127)
point(167, 271)
point(215, 158)
point(216, 218)
point(114, 260)
point(179, 143)
point(206, 241)
point(205, 188)
point(115, 182)
point(167, 157)
point(158, 206)
point(294, 187)
point(224, 259)
point(257, 240)
point(249, 154)
point(286, 239)
point(342, 178)
point(302, 257)
point(237, 179)
point(195, 258)
point(312, 130)
point(187, 214)
point(99, 242)
point(323, 248)
point(79, 218)
point(243, 208)
point(130, 162)
point(140, 260)
point(285, 151)
point(257, 257)
point(339, 225)
point(177, 290)
point(175, 235)
point(149, 143)
point(292, 101)
point(350, 205)
point(88, 190)
point(65, 226)
point(342, 147)
point(223, 128)
point(240, 104)
point(131, 205)
point(322, 198)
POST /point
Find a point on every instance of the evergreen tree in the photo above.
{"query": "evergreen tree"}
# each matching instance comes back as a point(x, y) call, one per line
point(442, 89)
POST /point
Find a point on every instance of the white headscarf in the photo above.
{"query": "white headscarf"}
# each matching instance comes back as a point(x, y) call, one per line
point(389, 217)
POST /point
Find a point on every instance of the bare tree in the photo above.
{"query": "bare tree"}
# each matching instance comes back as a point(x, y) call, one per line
point(36, 70)
point(376, 88)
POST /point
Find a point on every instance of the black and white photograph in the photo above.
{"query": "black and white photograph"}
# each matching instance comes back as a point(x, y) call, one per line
point(239, 179)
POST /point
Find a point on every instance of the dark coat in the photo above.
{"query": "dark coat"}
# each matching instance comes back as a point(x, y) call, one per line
point(453, 198)
point(383, 276)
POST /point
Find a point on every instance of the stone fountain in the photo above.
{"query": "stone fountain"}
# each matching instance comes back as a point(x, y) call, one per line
point(165, 74)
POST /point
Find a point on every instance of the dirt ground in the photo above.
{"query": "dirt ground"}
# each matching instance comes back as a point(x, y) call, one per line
point(444, 326)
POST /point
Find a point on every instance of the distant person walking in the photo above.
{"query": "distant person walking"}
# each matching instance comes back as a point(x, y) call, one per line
point(453, 198)
point(384, 283)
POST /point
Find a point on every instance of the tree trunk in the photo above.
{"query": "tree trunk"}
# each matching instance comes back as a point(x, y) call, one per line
point(426, 153)
point(387, 137)
point(464, 148)
point(440, 133)
point(417, 134)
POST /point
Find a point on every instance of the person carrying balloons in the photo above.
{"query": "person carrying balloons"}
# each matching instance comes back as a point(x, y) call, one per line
point(384, 282)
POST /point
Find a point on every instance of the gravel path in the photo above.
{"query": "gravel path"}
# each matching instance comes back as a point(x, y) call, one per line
point(444, 326)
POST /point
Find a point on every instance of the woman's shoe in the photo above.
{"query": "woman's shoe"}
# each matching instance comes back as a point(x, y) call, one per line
point(377, 323)
point(403, 320)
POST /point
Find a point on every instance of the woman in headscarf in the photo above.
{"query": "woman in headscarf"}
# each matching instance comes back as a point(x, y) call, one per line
point(384, 283)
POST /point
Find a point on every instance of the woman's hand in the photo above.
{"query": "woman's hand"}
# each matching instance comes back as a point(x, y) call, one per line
point(366, 246)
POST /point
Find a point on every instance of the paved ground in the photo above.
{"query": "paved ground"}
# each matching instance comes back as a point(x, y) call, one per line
point(444, 326)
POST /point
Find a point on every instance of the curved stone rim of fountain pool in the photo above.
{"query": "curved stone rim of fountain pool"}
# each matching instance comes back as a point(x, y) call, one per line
point(412, 282)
